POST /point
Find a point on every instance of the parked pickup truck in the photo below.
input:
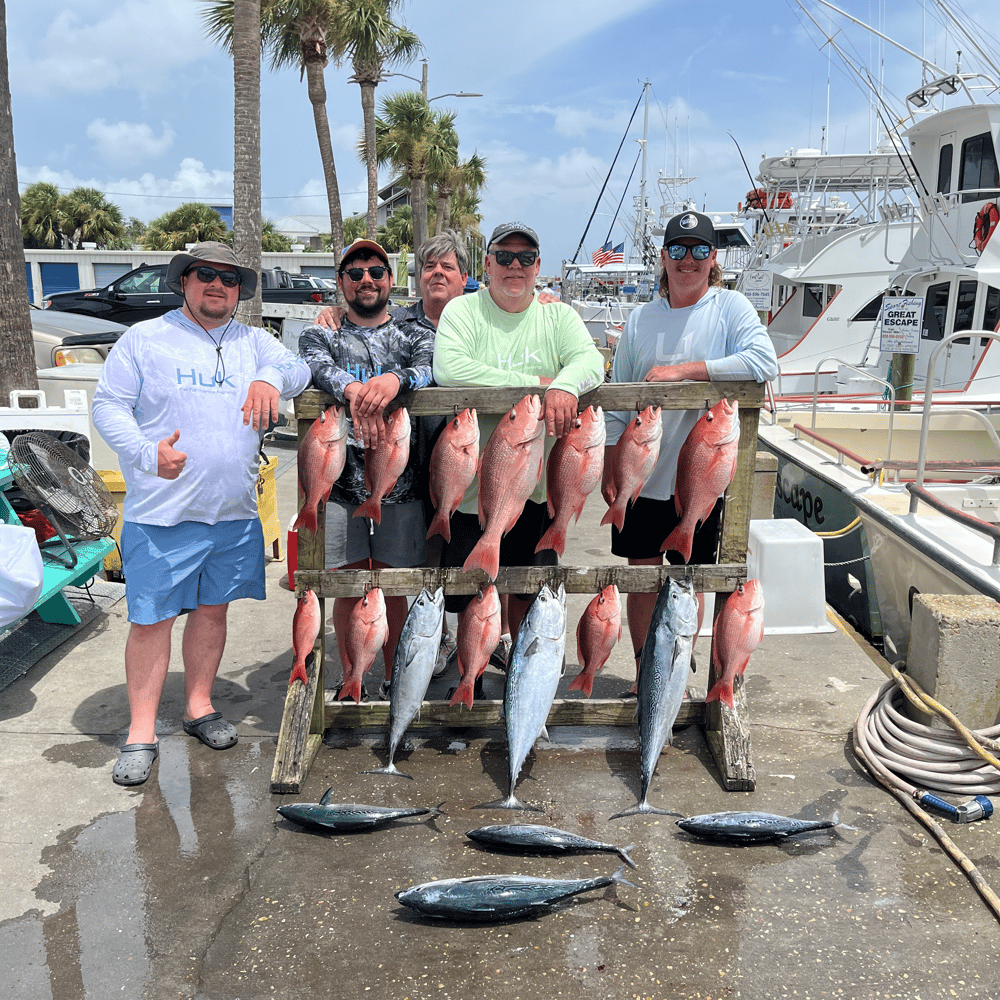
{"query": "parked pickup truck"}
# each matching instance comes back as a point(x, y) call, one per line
point(143, 294)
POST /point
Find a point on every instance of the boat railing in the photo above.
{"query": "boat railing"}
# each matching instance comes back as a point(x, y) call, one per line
point(918, 493)
point(841, 451)
point(867, 375)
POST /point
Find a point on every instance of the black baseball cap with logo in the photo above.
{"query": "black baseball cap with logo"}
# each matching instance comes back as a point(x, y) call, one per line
point(691, 224)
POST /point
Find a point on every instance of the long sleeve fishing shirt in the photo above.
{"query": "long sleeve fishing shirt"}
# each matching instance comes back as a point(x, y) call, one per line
point(478, 343)
point(168, 374)
point(722, 329)
point(356, 354)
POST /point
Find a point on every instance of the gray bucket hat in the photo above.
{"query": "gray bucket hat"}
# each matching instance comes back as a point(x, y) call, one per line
point(210, 252)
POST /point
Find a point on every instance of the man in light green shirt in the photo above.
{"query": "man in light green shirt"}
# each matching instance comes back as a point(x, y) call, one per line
point(502, 336)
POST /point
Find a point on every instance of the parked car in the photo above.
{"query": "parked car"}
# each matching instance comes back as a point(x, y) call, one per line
point(142, 293)
point(65, 338)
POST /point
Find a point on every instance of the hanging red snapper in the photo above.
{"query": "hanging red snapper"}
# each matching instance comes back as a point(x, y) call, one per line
point(367, 629)
point(705, 467)
point(305, 627)
point(453, 466)
point(599, 628)
point(575, 465)
point(738, 631)
point(478, 635)
point(321, 458)
point(385, 464)
point(632, 461)
point(510, 469)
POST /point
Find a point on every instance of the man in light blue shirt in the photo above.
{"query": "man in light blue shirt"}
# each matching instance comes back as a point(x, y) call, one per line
point(184, 400)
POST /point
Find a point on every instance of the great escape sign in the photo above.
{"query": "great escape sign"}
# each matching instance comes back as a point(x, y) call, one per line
point(901, 324)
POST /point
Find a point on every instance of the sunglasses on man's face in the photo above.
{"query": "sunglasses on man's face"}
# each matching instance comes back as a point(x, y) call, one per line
point(207, 275)
point(678, 251)
point(506, 257)
point(357, 273)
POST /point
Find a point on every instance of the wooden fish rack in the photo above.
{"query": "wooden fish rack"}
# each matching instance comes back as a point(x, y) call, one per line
point(309, 710)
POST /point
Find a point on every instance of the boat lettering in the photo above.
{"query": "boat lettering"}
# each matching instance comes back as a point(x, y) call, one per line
point(802, 500)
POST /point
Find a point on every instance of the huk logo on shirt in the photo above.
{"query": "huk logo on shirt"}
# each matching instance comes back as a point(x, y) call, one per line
point(206, 380)
point(510, 362)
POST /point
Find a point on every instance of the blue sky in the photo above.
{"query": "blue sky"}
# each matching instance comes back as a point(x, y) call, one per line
point(131, 97)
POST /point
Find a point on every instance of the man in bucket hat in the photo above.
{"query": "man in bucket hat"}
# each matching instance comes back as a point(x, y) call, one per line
point(184, 400)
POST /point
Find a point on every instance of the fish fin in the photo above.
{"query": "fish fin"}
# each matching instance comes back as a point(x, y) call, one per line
point(511, 802)
point(613, 516)
point(371, 508)
point(721, 692)
point(554, 538)
point(298, 674)
point(463, 695)
point(623, 853)
point(582, 682)
point(544, 734)
point(327, 795)
point(619, 877)
point(643, 808)
point(352, 689)
point(484, 556)
point(306, 518)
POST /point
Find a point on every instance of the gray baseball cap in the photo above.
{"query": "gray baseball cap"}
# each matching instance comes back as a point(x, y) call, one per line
point(210, 252)
point(513, 229)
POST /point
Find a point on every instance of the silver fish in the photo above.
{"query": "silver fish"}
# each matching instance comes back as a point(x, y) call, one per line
point(346, 817)
point(498, 897)
point(412, 668)
point(543, 838)
point(751, 827)
point(536, 664)
point(663, 673)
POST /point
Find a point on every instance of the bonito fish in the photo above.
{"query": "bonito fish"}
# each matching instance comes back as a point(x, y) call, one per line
point(478, 635)
point(385, 464)
point(573, 471)
point(366, 633)
point(632, 461)
point(751, 827)
point(321, 459)
point(494, 898)
point(533, 672)
point(705, 467)
point(663, 674)
point(412, 668)
point(453, 465)
point(306, 623)
point(346, 817)
point(737, 632)
point(510, 469)
point(599, 628)
point(543, 838)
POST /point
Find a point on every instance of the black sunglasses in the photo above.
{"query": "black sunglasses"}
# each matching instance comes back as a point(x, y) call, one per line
point(208, 274)
point(506, 257)
point(357, 273)
point(677, 251)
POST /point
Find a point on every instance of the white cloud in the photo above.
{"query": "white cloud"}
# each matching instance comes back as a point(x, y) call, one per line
point(124, 142)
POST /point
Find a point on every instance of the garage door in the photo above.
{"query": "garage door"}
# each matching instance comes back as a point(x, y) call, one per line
point(104, 274)
point(59, 278)
point(27, 274)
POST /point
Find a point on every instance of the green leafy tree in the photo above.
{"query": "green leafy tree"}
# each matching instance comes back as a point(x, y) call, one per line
point(132, 235)
point(40, 219)
point(397, 233)
point(417, 140)
point(452, 178)
point(271, 241)
point(365, 33)
point(354, 229)
point(191, 223)
point(86, 215)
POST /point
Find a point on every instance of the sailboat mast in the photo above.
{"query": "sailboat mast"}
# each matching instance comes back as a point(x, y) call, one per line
point(639, 240)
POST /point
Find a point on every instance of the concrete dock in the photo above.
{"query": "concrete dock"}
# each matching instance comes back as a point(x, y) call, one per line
point(191, 886)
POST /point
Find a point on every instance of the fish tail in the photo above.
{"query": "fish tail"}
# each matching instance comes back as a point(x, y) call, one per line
point(463, 694)
point(643, 808)
point(306, 518)
point(441, 525)
point(679, 541)
point(619, 877)
point(351, 689)
point(511, 802)
point(623, 853)
point(613, 515)
point(298, 673)
point(389, 768)
point(554, 538)
point(584, 682)
point(721, 691)
point(485, 556)
point(371, 508)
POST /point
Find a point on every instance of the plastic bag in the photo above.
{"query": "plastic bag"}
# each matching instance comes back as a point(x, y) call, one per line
point(21, 572)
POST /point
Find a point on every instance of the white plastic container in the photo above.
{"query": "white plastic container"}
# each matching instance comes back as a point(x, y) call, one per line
point(787, 558)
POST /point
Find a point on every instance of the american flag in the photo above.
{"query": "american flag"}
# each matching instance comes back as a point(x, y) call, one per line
point(617, 256)
point(600, 257)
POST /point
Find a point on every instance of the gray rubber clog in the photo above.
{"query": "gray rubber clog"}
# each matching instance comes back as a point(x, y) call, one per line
point(213, 731)
point(135, 761)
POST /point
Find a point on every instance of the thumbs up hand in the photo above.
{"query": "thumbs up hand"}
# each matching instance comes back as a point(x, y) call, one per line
point(170, 462)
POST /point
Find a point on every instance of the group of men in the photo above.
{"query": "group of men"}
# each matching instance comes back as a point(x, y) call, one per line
point(184, 399)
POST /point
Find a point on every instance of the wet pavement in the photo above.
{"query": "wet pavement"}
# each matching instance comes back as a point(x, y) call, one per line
point(191, 886)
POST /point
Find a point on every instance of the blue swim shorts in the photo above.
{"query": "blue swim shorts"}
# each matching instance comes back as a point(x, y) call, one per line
point(170, 570)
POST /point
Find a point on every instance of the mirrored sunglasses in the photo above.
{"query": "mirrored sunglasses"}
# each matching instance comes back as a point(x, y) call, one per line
point(506, 257)
point(207, 275)
point(377, 272)
point(677, 251)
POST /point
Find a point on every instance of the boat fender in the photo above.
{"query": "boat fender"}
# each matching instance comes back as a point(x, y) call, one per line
point(986, 220)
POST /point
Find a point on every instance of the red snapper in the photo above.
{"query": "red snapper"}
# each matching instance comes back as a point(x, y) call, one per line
point(599, 628)
point(385, 464)
point(738, 631)
point(305, 627)
point(367, 629)
point(321, 458)
point(478, 635)
point(453, 465)
point(632, 461)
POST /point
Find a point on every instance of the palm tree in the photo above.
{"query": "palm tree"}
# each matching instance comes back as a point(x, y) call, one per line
point(413, 138)
point(17, 357)
point(86, 215)
point(194, 222)
point(366, 32)
point(397, 233)
point(295, 33)
point(271, 241)
point(354, 229)
point(468, 175)
point(40, 216)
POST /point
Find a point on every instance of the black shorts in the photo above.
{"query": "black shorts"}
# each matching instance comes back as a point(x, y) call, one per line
point(517, 547)
point(647, 524)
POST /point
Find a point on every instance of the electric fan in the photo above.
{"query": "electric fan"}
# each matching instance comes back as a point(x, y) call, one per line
point(66, 490)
